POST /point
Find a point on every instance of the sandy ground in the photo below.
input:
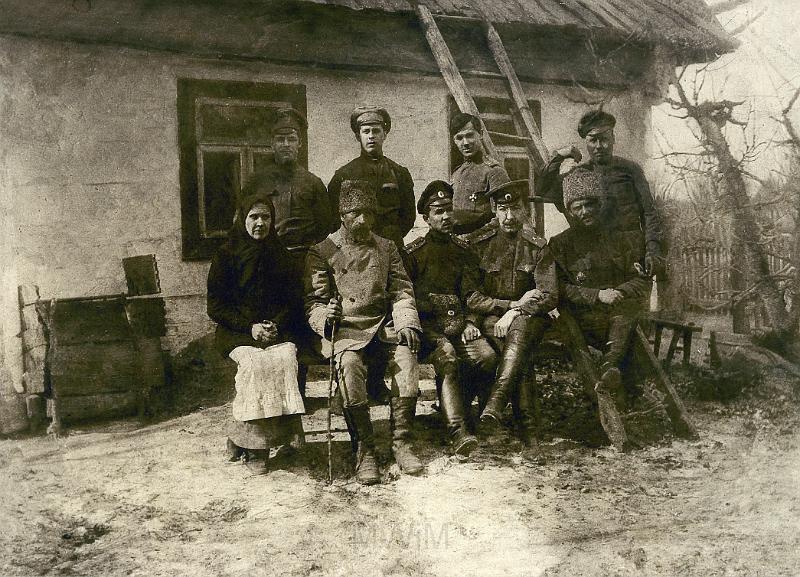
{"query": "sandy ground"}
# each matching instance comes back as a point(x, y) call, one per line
point(159, 499)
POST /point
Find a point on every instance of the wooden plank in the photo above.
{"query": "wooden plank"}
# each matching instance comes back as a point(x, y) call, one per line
point(87, 321)
point(536, 147)
point(141, 274)
point(610, 418)
point(675, 408)
point(74, 409)
point(95, 368)
point(28, 294)
point(33, 381)
point(451, 74)
point(147, 317)
point(29, 316)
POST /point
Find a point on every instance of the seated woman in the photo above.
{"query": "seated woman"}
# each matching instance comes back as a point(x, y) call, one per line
point(255, 311)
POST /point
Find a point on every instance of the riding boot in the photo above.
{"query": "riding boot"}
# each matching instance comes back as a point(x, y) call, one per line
point(526, 411)
point(401, 418)
point(619, 333)
point(452, 405)
point(512, 364)
point(360, 426)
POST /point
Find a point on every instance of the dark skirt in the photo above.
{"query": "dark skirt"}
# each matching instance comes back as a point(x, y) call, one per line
point(265, 433)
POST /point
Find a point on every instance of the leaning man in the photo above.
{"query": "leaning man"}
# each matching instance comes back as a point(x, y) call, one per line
point(359, 296)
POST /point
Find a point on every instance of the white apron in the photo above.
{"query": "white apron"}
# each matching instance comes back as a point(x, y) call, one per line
point(266, 382)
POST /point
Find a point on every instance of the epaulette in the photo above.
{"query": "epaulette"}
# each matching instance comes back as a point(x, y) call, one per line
point(415, 244)
point(460, 241)
point(487, 231)
point(530, 235)
point(489, 161)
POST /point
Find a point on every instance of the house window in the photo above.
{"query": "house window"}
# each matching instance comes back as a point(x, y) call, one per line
point(498, 116)
point(224, 132)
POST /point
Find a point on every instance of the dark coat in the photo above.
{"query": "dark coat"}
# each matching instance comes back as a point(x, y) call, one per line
point(396, 205)
point(249, 282)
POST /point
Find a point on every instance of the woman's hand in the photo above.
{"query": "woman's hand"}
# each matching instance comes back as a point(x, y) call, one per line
point(264, 332)
point(502, 325)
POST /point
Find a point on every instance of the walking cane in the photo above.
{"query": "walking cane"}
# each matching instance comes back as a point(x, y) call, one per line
point(330, 395)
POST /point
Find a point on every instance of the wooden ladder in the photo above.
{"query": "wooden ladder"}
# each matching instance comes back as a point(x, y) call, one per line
point(521, 112)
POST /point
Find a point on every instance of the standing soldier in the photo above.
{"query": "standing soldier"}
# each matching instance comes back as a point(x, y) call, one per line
point(474, 177)
point(390, 182)
point(376, 324)
point(445, 273)
point(601, 277)
point(630, 202)
point(516, 294)
point(303, 213)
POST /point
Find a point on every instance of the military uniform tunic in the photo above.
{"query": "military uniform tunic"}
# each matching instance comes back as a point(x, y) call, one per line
point(303, 211)
point(471, 181)
point(394, 190)
point(508, 264)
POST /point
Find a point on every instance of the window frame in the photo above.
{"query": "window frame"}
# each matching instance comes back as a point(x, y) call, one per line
point(198, 243)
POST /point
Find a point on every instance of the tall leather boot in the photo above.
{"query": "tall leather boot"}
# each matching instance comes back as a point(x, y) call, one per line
point(401, 415)
point(512, 365)
point(526, 411)
point(363, 437)
point(452, 404)
point(619, 334)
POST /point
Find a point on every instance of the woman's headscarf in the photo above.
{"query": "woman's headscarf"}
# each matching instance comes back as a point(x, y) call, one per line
point(256, 258)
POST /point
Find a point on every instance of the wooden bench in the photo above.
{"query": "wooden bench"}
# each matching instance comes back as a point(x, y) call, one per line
point(679, 331)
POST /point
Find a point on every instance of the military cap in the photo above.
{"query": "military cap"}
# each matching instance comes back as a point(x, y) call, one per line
point(288, 119)
point(510, 192)
point(595, 122)
point(370, 115)
point(460, 119)
point(581, 184)
point(356, 195)
point(437, 193)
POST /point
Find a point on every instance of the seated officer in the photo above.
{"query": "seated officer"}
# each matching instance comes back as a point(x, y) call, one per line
point(601, 276)
point(445, 273)
point(516, 296)
point(356, 282)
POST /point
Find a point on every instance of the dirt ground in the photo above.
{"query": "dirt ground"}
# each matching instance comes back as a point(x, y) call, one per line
point(131, 498)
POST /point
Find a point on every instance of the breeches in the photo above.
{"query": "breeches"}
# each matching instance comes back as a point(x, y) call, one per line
point(396, 360)
point(610, 333)
point(447, 354)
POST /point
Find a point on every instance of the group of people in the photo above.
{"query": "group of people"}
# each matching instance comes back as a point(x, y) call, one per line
point(311, 272)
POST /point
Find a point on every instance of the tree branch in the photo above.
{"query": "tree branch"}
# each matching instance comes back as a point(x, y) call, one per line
point(726, 6)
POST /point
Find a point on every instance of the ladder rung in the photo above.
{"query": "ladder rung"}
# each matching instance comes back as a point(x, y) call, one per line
point(456, 17)
point(484, 74)
point(497, 116)
point(509, 136)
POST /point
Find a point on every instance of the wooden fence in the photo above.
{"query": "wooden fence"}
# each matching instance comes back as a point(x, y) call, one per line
point(700, 267)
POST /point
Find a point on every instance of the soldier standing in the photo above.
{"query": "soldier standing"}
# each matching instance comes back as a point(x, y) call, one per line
point(303, 212)
point(629, 201)
point(474, 177)
point(376, 324)
point(390, 182)
point(516, 294)
point(601, 278)
point(445, 273)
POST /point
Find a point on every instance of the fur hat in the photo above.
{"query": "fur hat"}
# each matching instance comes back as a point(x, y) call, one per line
point(581, 184)
point(356, 195)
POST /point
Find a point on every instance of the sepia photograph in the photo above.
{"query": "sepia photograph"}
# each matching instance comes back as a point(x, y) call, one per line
point(356, 288)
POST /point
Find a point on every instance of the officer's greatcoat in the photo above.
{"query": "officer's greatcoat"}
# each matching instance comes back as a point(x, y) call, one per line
point(377, 295)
